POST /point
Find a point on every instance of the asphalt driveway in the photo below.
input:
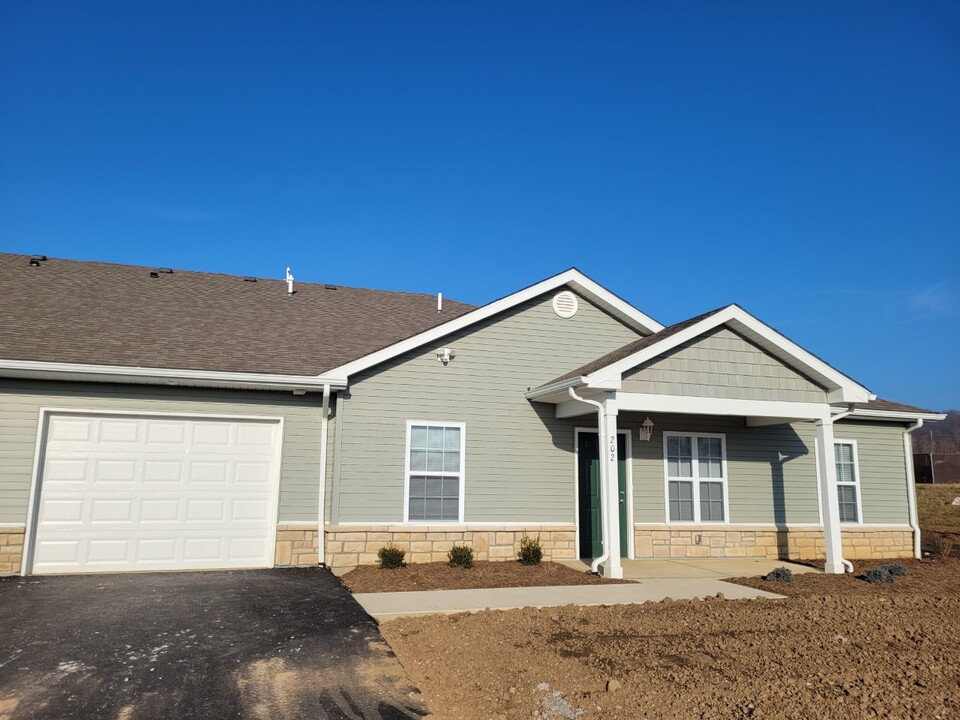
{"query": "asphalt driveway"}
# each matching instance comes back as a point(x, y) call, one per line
point(264, 644)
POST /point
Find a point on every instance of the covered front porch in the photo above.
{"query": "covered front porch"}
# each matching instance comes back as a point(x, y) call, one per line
point(718, 424)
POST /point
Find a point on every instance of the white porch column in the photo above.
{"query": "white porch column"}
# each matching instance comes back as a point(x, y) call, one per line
point(830, 504)
point(611, 494)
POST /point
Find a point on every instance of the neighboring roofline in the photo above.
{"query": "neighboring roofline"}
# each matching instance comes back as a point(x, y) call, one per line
point(840, 387)
point(596, 293)
point(34, 369)
point(867, 414)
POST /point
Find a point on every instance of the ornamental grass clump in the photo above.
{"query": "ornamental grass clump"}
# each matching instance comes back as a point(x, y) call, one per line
point(530, 551)
point(391, 557)
point(461, 556)
point(878, 576)
point(895, 569)
point(780, 574)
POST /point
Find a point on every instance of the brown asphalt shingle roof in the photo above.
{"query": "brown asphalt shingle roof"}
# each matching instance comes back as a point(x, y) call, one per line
point(105, 314)
point(627, 350)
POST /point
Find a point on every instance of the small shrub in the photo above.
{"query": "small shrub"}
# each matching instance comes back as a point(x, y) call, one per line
point(391, 557)
point(895, 569)
point(878, 576)
point(943, 545)
point(461, 556)
point(780, 574)
point(530, 551)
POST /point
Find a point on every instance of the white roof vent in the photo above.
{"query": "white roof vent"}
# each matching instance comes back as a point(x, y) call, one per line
point(565, 304)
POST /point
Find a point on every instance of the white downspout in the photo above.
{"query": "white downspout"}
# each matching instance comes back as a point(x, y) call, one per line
point(322, 495)
point(912, 485)
point(601, 434)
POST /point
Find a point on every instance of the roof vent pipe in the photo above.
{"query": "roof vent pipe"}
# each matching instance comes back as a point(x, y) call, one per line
point(289, 279)
point(439, 302)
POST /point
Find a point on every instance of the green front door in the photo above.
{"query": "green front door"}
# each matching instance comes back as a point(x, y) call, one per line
point(588, 488)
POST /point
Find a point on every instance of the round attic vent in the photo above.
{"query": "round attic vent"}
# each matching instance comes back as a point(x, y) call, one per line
point(565, 304)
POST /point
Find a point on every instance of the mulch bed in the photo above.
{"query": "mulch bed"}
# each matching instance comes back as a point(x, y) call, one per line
point(483, 574)
point(934, 576)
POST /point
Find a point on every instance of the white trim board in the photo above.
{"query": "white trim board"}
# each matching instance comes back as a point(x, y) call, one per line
point(80, 372)
point(595, 292)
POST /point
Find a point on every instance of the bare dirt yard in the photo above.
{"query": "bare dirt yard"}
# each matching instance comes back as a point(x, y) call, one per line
point(837, 647)
point(483, 574)
point(939, 519)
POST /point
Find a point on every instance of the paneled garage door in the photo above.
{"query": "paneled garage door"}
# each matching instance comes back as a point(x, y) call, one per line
point(124, 493)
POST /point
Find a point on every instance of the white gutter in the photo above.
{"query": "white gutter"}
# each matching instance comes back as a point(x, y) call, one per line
point(322, 494)
point(912, 485)
point(604, 520)
point(165, 376)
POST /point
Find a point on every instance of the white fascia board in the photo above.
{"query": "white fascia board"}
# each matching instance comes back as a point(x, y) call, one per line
point(865, 414)
point(688, 405)
point(574, 278)
point(164, 376)
point(791, 353)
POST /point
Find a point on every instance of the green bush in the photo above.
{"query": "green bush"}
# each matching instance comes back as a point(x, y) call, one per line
point(461, 556)
point(530, 551)
point(780, 574)
point(878, 576)
point(895, 569)
point(391, 557)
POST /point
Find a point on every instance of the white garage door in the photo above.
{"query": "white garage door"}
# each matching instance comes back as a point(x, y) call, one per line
point(122, 493)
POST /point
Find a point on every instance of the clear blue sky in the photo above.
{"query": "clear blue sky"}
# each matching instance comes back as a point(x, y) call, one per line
point(800, 159)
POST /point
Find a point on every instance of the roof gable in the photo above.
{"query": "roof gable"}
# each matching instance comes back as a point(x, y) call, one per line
point(573, 278)
point(721, 363)
point(608, 370)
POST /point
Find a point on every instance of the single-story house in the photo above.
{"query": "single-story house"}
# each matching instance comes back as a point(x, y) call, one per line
point(157, 419)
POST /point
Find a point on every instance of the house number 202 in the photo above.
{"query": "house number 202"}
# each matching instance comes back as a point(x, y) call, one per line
point(613, 447)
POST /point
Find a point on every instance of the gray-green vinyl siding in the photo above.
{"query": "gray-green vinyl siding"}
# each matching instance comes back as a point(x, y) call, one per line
point(722, 364)
point(519, 458)
point(21, 400)
point(883, 477)
point(771, 470)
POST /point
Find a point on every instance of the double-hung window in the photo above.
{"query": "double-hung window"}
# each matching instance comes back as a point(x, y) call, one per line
point(696, 476)
point(845, 456)
point(434, 471)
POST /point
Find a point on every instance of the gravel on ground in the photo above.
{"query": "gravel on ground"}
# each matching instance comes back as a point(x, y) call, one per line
point(838, 647)
point(483, 574)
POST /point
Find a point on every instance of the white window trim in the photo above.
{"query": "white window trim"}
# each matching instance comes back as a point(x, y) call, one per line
point(857, 483)
point(696, 479)
point(406, 471)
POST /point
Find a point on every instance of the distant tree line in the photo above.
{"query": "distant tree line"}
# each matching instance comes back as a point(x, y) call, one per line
point(939, 437)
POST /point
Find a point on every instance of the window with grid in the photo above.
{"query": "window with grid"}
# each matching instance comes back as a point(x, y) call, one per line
point(434, 471)
point(845, 455)
point(695, 477)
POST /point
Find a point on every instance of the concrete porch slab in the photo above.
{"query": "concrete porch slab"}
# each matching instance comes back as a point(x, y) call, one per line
point(717, 568)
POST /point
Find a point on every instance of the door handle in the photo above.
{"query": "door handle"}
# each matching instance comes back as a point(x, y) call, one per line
point(623, 496)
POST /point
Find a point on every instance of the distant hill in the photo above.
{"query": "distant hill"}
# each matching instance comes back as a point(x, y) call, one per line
point(939, 437)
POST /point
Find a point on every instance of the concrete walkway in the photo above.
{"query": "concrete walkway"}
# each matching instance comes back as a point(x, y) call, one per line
point(388, 606)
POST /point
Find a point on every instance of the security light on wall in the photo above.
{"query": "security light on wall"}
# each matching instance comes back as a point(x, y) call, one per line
point(445, 355)
point(646, 430)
